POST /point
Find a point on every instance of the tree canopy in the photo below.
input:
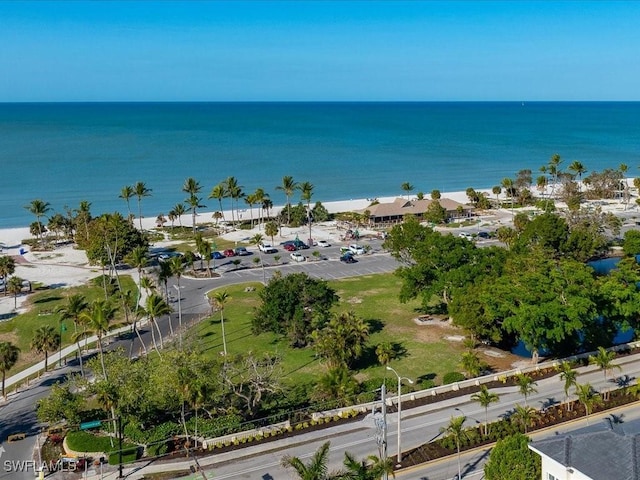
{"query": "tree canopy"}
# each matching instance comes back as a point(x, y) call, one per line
point(294, 305)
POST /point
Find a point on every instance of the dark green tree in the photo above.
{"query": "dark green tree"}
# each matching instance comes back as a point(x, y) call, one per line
point(294, 305)
point(511, 459)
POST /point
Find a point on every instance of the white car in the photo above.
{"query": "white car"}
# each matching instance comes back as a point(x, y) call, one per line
point(266, 248)
point(297, 257)
point(356, 249)
point(323, 244)
point(466, 235)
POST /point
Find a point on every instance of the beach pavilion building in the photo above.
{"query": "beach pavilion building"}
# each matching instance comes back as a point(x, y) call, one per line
point(388, 214)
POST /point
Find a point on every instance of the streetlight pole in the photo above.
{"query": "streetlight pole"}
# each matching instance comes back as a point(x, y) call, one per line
point(399, 408)
point(179, 315)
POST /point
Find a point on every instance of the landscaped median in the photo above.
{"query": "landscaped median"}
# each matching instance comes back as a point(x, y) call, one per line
point(81, 444)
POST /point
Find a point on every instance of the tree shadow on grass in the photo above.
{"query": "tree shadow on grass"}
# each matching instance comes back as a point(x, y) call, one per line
point(375, 325)
point(369, 358)
point(48, 300)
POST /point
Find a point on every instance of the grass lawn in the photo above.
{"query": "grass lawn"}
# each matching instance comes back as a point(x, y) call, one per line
point(427, 355)
point(42, 305)
point(81, 441)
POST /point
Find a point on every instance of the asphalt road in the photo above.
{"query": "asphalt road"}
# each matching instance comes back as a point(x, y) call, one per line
point(419, 425)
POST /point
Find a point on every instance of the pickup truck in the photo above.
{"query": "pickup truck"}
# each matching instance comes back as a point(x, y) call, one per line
point(266, 248)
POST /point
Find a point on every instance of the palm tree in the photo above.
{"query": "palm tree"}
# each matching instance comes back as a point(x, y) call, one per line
point(234, 192)
point(525, 416)
point(97, 320)
point(192, 187)
point(372, 468)
point(507, 185)
point(140, 190)
point(178, 211)
point(569, 375)
point(288, 186)
point(220, 299)
point(256, 240)
point(385, 353)
point(497, 190)
point(456, 430)
point(307, 192)
point(588, 397)
point(578, 169)
point(407, 188)
point(84, 213)
point(7, 267)
point(251, 201)
point(39, 208)
point(260, 197)
point(604, 360)
point(156, 307)
point(271, 229)
point(14, 286)
point(76, 304)
point(267, 205)
point(623, 170)
point(485, 398)
point(218, 192)
point(9, 354)
point(127, 193)
point(45, 340)
point(526, 386)
point(316, 469)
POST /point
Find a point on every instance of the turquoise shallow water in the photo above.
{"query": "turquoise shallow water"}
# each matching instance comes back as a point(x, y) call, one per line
point(65, 153)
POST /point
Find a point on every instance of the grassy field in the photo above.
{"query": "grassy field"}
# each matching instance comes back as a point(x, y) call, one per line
point(426, 354)
point(41, 311)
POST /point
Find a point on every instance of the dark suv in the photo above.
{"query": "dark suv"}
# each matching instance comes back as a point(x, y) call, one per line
point(348, 258)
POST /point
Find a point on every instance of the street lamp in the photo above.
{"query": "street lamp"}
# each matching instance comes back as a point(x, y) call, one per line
point(399, 407)
point(179, 315)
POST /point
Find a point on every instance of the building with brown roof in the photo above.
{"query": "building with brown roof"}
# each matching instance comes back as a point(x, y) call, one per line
point(384, 214)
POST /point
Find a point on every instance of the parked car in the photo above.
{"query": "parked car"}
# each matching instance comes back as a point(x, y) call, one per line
point(484, 235)
point(297, 257)
point(267, 248)
point(347, 258)
point(229, 253)
point(299, 244)
point(242, 252)
point(323, 244)
point(356, 249)
point(217, 256)
point(290, 247)
point(466, 235)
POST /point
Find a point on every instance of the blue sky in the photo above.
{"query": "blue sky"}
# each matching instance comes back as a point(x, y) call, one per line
point(326, 50)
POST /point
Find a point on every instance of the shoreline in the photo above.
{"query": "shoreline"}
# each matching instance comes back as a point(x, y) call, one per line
point(11, 238)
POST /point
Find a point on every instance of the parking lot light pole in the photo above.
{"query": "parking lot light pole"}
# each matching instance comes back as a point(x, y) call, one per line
point(399, 409)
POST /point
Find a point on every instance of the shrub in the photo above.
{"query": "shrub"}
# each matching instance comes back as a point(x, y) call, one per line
point(452, 377)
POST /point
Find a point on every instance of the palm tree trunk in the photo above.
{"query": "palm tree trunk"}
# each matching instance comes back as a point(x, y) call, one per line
point(160, 333)
point(153, 338)
point(170, 326)
point(46, 360)
point(224, 338)
point(104, 368)
point(80, 358)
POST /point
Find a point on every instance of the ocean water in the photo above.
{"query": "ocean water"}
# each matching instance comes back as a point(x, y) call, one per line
point(66, 153)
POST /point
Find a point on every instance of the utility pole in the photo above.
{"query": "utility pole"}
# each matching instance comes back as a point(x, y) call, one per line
point(385, 475)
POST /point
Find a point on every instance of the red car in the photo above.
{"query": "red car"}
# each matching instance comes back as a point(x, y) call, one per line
point(290, 247)
point(229, 253)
